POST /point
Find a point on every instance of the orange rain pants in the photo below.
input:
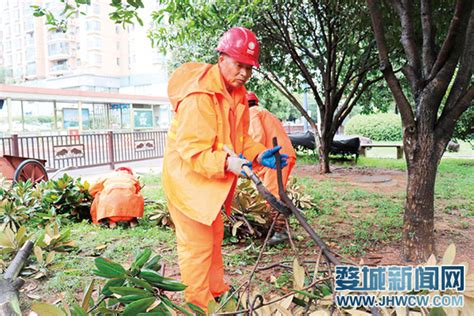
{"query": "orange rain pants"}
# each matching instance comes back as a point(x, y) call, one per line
point(200, 257)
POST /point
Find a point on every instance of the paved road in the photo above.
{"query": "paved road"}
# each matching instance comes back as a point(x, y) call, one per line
point(142, 167)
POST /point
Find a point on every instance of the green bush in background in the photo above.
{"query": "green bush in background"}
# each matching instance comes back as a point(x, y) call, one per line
point(378, 127)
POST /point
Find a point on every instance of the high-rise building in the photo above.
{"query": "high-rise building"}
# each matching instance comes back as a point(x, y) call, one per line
point(94, 54)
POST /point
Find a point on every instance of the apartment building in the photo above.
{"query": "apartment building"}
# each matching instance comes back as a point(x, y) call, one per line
point(93, 55)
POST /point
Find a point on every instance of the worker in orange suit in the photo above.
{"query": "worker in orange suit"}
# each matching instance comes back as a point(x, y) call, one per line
point(199, 175)
point(117, 198)
point(264, 126)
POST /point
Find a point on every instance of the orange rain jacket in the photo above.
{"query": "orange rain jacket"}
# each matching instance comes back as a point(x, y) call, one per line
point(116, 197)
point(194, 177)
point(263, 127)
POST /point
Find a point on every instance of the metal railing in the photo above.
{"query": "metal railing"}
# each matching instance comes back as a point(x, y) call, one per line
point(86, 150)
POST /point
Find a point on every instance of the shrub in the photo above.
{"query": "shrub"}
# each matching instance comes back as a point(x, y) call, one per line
point(378, 127)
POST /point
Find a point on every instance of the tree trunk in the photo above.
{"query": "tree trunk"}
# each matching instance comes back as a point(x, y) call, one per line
point(324, 149)
point(418, 226)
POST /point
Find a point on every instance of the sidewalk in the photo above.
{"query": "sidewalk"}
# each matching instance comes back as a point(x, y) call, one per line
point(142, 167)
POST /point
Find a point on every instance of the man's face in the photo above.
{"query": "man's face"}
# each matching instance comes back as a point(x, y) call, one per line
point(235, 74)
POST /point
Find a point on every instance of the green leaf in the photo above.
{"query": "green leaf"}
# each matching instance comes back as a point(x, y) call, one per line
point(169, 303)
point(111, 283)
point(139, 306)
point(110, 268)
point(141, 283)
point(306, 293)
point(77, 310)
point(132, 298)
point(124, 290)
point(153, 263)
point(437, 311)
point(45, 309)
point(142, 258)
point(198, 310)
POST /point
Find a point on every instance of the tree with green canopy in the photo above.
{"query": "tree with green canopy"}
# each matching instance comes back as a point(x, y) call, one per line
point(305, 45)
point(438, 52)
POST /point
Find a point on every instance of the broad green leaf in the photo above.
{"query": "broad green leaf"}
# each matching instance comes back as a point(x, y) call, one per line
point(45, 309)
point(437, 311)
point(139, 306)
point(110, 268)
point(124, 290)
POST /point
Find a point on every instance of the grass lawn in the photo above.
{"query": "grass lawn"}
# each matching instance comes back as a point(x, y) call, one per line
point(355, 217)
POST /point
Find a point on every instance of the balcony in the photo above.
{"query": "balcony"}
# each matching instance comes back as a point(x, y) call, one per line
point(52, 56)
point(57, 36)
point(58, 50)
point(59, 69)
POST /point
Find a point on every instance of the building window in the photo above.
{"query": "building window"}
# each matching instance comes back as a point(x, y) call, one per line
point(93, 25)
point(57, 35)
point(16, 43)
point(17, 72)
point(132, 59)
point(60, 65)
point(30, 53)
point(95, 59)
point(29, 24)
point(58, 48)
point(94, 42)
point(30, 39)
point(31, 69)
point(16, 59)
point(16, 29)
point(118, 61)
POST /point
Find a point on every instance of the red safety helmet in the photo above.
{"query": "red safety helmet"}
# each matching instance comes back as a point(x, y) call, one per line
point(127, 169)
point(241, 44)
point(251, 96)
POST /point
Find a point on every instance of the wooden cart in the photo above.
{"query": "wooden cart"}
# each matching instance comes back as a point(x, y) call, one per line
point(19, 169)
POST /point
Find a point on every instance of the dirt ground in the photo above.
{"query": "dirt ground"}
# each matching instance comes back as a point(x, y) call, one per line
point(385, 181)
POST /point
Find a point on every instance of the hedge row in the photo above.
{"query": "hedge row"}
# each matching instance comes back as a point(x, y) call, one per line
point(378, 127)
